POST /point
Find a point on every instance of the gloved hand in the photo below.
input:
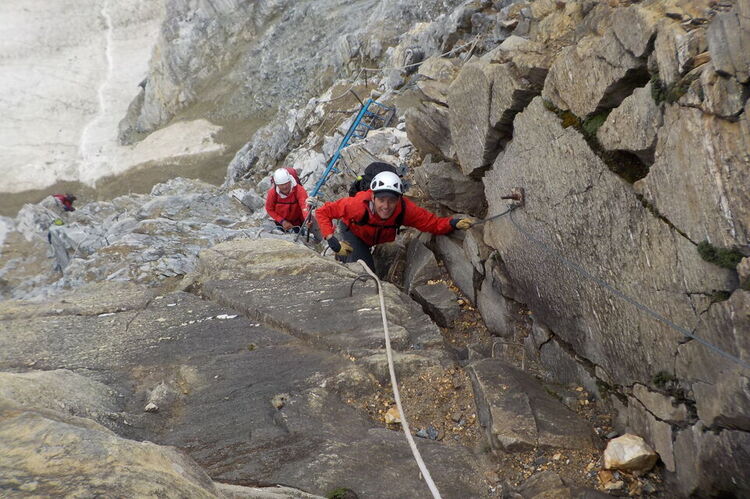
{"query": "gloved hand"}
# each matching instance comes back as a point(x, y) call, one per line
point(462, 223)
point(342, 248)
point(312, 202)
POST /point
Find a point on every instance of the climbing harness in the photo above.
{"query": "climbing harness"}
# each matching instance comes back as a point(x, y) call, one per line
point(404, 425)
point(372, 115)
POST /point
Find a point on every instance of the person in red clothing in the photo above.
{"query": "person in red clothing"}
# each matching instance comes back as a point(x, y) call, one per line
point(374, 216)
point(286, 200)
point(66, 200)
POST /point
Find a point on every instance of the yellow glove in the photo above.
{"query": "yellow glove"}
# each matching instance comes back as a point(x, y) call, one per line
point(464, 224)
point(341, 248)
point(346, 249)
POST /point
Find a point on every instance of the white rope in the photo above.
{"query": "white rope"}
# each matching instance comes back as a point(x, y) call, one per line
point(396, 396)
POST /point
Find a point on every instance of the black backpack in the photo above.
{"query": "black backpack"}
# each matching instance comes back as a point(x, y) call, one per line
point(362, 183)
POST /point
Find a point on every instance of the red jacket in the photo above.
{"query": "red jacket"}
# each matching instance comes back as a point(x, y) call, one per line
point(357, 213)
point(66, 203)
point(291, 208)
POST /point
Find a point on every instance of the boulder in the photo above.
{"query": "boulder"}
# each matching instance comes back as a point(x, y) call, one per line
point(629, 453)
point(728, 40)
point(696, 183)
point(421, 265)
point(594, 75)
point(715, 94)
point(637, 418)
point(428, 129)
point(439, 302)
point(451, 252)
point(475, 248)
point(512, 90)
point(633, 125)
point(518, 414)
point(442, 69)
point(443, 182)
point(477, 143)
point(494, 308)
point(635, 28)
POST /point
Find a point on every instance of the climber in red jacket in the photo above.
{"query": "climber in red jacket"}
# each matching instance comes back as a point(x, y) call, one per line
point(286, 200)
point(66, 200)
point(374, 216)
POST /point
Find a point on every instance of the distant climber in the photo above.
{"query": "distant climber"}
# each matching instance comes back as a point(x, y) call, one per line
point(374, 216)
point(66, 201)
point(286, 200)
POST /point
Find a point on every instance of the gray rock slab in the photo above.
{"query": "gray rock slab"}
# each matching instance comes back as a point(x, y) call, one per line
point(62, 391)
point(663, 407)
point(260, 258)
point(70, 462)
point(563, 367)
point(720, 386)
point(721, 95)
point(318, 309)
point(512, 90)
point(469, 99)
point(475, 248)
point(548, 484)
point(675, 49)
point(633, 126)
point(635, 27)
point(637, 419)
point(709, 463)
point(729, 39)
point(571, 217)
point(421, 265)
point(493, 305)
point(428, 129)
point(439, 302)
point(697, 184)
point(444, 183)
point(89, 300)
point(518, 414)
point(596, 74)
point(451, 251)
point(225, 369)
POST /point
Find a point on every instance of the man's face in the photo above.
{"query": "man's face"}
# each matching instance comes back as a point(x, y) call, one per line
point(285, 188)
point(385, 206)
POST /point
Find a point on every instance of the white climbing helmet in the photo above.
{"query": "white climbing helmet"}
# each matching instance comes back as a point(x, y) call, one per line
point(388, 182)
point(281, 176)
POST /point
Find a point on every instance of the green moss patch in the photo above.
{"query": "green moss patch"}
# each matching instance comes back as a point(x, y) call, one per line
point(723, 257)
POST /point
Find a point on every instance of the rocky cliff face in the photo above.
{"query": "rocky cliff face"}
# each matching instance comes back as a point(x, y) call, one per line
point(633, 153)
